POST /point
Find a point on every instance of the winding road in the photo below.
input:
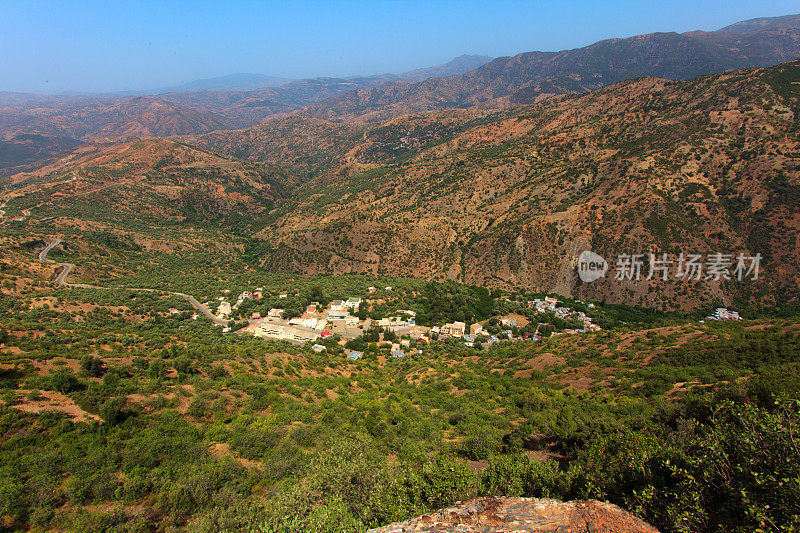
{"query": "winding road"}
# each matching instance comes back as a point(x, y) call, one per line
point(66, 268)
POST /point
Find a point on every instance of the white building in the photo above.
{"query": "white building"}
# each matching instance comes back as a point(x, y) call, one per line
point(353, 303)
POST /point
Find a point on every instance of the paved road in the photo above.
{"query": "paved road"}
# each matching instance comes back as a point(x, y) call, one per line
point(200, 307)
point(66, 268)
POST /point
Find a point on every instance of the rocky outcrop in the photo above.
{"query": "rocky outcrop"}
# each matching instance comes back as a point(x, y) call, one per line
point(528, 515)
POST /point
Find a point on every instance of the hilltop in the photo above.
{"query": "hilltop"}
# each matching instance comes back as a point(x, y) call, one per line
point(146, 180)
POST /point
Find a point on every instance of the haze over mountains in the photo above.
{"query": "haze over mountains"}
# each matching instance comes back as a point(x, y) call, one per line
point(251, 82)
point(234, 101)
point(228, 102)
point(231, 82)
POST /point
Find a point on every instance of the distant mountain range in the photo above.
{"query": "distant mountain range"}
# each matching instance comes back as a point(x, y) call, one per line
point(467, 81)
point(234, 101)
point(252, 82)
point(454, 67)
point(528, 77)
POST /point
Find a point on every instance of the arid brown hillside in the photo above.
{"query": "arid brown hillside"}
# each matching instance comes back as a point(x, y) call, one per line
point(20, 150)
point(503, 198)
point(305, 145)
point(149, 179)
point(313, 147)
point(511, 198)
point(150, 117)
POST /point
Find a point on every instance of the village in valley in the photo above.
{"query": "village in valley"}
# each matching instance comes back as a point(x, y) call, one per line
point(345, 320)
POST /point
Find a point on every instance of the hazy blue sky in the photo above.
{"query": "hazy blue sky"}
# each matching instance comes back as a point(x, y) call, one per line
point(100, 46)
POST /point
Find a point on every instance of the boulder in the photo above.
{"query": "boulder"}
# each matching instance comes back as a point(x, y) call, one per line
point(523, 515)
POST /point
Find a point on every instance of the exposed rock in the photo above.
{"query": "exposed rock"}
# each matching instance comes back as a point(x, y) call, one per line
point(529, 515)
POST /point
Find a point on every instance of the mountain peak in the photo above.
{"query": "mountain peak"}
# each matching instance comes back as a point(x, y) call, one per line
point(456, 66)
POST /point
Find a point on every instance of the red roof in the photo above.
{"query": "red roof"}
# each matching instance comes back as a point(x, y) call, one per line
point(326, 333)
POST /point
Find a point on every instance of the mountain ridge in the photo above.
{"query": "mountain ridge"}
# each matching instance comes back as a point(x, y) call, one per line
point(503, 82)
point(529, 76)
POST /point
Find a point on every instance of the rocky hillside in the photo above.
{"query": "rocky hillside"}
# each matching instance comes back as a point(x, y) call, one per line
point(523, 515)
point(511, 198)
point(762, 41)
point(528, 77)
point(504, 198)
